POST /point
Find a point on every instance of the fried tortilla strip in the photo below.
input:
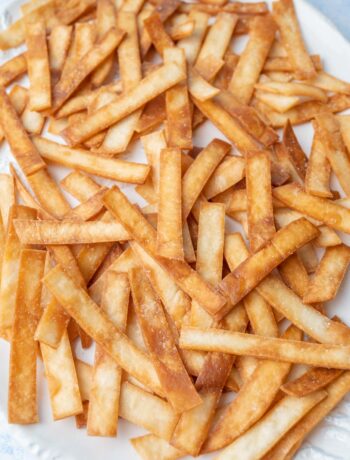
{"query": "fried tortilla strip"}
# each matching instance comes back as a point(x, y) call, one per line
point(330, 83)
point(172, 374)
point(229, 172)
point(302, 315)
point(119, 170)
point(68, 232)
point(13, 69)
point(58, 44)
point(269, 430)
point(89, 209)
point(326, 211)
point(19, 98)
point(318, 172)
point(106, 377)
point(186, 278)
point(169, 223)
point(88, 315)
point(219, 340)
point(291, 37)
point(70, 81)
point(147, 410)
point(79, 185)
point(150, 446)
point(7, 193)
point(21, 146)
point(119, 135)
point(210, 57)
point(62, 379)
point(22, 397)
point(285, 242)
point(10, 268)
point(291, 441)
point(261, 226)
point(198, 174)
point(38, 66)
point(252, 60)
point(329, 275)
point(151, 86)
point(227, 124)
point(303, 112)
point(313, 380)
point(105, 20)
point(337, 155)
point(153, 144)
point(192, 44)
point(296, 153)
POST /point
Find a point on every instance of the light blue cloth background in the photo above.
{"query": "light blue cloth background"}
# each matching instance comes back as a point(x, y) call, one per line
point(338, 11)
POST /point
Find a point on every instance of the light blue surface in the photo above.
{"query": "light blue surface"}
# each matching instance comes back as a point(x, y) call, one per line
point(338, 11)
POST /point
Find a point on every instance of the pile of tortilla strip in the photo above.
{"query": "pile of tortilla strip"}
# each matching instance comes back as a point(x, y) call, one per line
point(212, 341)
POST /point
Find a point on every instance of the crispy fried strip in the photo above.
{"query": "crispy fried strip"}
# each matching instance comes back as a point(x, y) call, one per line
point(199, 172)
point(326, 211)
point(187, 279)
point(38, 66)
point(291, 441)
point(58, 44)
point(21, 146)
point(328, 82)
point(22, 398)
point(10, 268)
point(88, 209)
point(106, 377)
point(291, 37)
point(337, 155)
point(82, 159)
point(219, 340)
point(286, 241)
point(252, 60)
point(79, 185)
point(169, 223)
point(7, 193)
point(150, 447)
point(12, 69)
point(173, 377)
point(261, 226)
point(70, 81)
point(153, 144)
point(68, 232)
point(270, 429)
point(151, 86)
point(62, 379)
point(88, 316)
point(229, 172)
point(313, 380)
point(255, 397)
point(329, 275)
point(191, 45)
point(210, 57)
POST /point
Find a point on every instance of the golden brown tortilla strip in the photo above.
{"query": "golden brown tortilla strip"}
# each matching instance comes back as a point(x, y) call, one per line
point(21, 146)
point(151, 86)
point(270, 429)
point(169, 223)
point(7, 193)
point(150, 446)
point(191, 45)
point(313, 380)
point(65, 398)
point(286, 241)
point(22, 397)
point(261, 226)
point(291, 37)
point(58, 47)
point(68, 232)
point(252, 60)
point(89, 208)
point(89, 316)
point(70, 81)
point(198, 174)
point(229, 172)
point(219, 340)
point(106, 376)
point(329, 275)
point(38, 66)
point(172, 374)
point(187, 279)
point(12, 69)
point(291, 441)
point(296, 153)
point(111, 168)
point(326, 211)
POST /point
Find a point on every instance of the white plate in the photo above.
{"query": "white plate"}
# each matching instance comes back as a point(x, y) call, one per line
point(50, 440)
